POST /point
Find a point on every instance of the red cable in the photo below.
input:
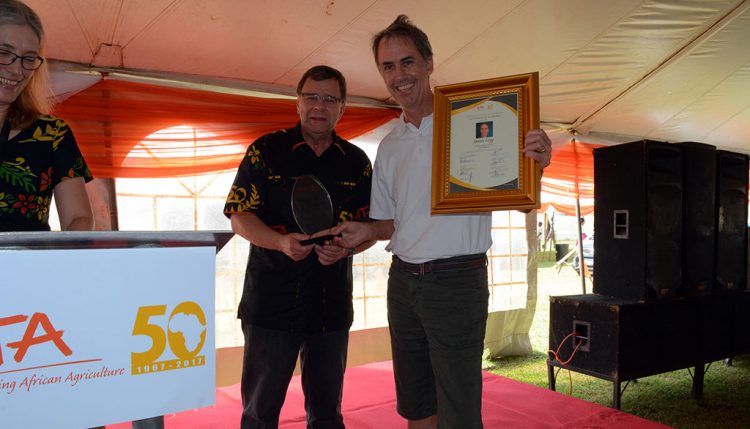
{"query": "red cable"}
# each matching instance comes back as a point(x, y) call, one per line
point(555, 354)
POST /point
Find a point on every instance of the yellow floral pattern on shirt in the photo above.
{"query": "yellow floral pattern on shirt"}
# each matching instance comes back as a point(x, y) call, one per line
point(53, 131)
point(241, 201)
point(27, 176)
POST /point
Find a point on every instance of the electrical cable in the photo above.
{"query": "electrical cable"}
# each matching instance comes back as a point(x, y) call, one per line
point(556, 357)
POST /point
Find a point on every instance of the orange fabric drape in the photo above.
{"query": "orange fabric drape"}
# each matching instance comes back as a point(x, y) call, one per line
point(570, 175)
point(112, 120)
point(566, 209)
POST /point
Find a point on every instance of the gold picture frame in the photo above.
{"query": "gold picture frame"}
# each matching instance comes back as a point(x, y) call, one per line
point(477, 159)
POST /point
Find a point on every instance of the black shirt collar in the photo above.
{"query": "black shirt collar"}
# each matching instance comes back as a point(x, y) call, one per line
point(299, 140)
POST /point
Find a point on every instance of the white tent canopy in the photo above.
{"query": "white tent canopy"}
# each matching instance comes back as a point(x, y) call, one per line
point(610, 71)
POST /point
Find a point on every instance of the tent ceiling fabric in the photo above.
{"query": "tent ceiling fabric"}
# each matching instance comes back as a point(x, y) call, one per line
point(610, 70)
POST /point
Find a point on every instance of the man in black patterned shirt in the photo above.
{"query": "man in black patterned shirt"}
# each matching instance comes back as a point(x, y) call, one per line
point(298, 299)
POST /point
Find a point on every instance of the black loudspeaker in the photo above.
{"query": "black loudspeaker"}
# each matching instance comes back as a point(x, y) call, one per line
point(740, 322)
point(620, 339)
point(731, 221)
point(624, 339)
point(638, 220)
point(717, 318)
point(698, 220)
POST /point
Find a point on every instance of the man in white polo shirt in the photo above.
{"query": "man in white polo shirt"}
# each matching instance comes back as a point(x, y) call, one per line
point(437, 285)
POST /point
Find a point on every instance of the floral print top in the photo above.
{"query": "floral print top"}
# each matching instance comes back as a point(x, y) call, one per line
point(31, 164)
point(279, 293)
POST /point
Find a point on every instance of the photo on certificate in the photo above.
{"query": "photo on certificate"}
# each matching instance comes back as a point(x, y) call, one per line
point(479, 160)
point(478, 163)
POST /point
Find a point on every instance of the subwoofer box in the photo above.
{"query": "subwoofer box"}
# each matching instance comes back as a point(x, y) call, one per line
point(623, 340)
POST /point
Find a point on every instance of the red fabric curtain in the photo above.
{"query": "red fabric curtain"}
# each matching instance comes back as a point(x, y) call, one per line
point(112, 121)
point(570, 175)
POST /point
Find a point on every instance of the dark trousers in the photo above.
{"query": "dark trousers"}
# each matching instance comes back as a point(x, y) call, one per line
point(437, 323)
point(270, 358)
point(152, 423)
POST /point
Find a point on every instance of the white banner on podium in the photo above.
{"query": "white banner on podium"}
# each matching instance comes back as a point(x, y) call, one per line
point(96, 336)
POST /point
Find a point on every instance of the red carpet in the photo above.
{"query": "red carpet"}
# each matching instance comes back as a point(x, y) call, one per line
point(370, 403)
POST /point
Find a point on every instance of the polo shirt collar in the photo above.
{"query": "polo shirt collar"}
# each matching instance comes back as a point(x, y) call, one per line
point(403, 127)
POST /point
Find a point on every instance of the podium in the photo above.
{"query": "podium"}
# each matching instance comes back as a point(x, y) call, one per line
point(105, 327)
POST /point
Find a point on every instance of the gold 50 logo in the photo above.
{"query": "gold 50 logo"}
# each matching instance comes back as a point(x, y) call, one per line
point(185, 333)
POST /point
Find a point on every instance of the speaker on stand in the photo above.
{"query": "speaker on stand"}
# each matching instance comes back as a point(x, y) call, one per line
point(731, 221)
point(638, 220)
point(698, 218)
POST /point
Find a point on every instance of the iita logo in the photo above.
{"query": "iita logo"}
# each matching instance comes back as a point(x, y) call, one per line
point(184, 331)
point(29, 338)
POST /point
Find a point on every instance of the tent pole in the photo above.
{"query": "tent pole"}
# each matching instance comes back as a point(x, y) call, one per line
point(581, 262)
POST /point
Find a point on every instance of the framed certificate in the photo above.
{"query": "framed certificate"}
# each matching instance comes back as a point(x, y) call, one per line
point(477, 159)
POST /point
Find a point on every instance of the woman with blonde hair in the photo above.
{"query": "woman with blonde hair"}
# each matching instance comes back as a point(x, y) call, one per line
point(39, 157)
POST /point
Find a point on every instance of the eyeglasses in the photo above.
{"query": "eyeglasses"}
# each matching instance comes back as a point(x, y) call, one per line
point(312, 98)
point(29, 62)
